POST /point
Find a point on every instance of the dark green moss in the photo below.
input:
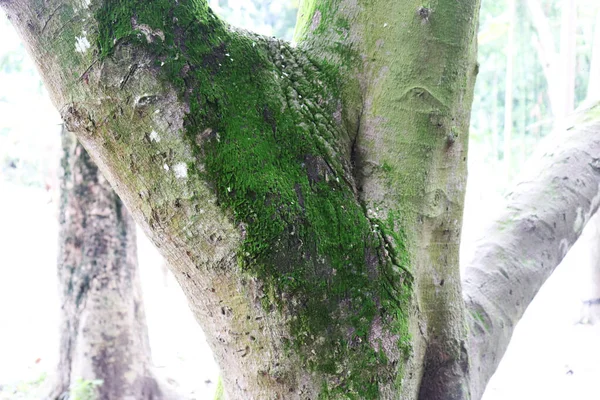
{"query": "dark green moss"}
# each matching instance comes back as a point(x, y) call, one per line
point(261, 123)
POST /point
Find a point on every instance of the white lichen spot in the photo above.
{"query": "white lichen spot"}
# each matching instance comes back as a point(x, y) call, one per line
point(579, 221)
point(180, 170)
point(166, 167)
point(154, 137)
point(316, 20)
point(147, 31)
point(82, 44)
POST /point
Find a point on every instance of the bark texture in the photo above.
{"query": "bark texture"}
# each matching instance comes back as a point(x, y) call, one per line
point(103, 326)
point(544, 215)
point(308, 199)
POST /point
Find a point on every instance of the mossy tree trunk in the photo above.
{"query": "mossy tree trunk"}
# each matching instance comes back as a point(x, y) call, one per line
point(309, 199)
point(104, 345)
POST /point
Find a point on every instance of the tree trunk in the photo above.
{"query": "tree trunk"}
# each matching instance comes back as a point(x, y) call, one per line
point(104, 346)
point(558, 64)
point(308, 199)
point(593, 89)
point(590, 293)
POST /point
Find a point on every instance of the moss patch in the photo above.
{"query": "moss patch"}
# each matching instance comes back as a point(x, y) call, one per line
point(261, 125)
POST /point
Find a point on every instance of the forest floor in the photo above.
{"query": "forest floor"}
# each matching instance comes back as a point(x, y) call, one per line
point(551, 357)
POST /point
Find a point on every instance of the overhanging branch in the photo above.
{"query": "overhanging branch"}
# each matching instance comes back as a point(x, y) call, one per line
point(544, 216)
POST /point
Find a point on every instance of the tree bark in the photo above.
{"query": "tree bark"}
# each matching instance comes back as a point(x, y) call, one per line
point(590, 293)
point(308, 199)
point(103, 337)
point(544, 215)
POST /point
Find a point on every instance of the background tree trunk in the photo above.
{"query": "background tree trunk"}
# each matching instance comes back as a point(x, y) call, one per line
point(104, 345)
point(590, 293)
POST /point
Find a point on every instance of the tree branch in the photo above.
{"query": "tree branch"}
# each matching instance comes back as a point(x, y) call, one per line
point(545, 215)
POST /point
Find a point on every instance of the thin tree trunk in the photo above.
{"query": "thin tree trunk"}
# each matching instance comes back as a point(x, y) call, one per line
point(593, 90)
point(558, 64)
point(590, 293)
point(568, 45)
point(103, 342)
point(508, 91)
point(494, 124)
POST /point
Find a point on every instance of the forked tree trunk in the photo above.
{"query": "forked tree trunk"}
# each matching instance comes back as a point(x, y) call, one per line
point(309, 199)
point(104, 346)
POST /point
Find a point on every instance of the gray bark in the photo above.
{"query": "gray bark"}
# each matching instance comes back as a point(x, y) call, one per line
point(544, 215)
point(103, 327)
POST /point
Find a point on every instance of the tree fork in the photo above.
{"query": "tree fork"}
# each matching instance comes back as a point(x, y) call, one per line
point(292, 189)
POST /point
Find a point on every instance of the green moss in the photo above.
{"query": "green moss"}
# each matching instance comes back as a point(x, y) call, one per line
point(305, 15)
point(591, 114)
point(482, 320)
point(261, 123)
point(219, 392)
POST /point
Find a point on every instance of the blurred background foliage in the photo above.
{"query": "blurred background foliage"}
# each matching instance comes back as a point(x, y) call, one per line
point(530, 103)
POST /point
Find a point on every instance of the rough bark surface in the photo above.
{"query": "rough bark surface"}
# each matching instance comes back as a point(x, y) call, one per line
point(103, 326)
point(309, 199)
